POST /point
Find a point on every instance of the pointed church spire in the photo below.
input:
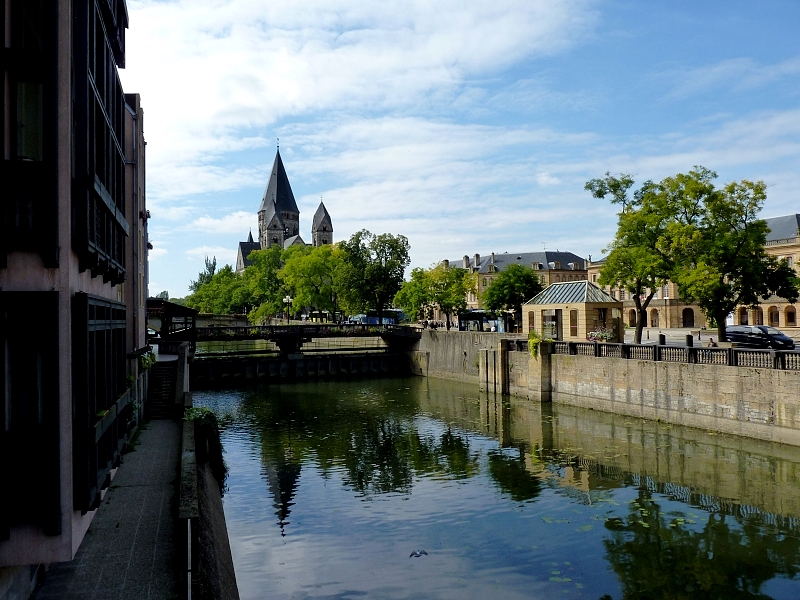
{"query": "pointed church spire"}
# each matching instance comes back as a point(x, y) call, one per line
point(250, 237)
point(278, 187)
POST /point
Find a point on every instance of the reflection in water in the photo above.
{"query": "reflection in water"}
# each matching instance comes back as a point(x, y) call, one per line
point(659, 555)
point(510, 498)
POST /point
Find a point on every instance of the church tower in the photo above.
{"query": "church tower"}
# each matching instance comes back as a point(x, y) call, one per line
point(278, 208)
point(321, 227)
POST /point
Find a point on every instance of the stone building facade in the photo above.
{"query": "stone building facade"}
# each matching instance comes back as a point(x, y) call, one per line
point(73, 275)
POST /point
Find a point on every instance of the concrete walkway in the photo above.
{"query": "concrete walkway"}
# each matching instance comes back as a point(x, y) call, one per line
point(130, 549)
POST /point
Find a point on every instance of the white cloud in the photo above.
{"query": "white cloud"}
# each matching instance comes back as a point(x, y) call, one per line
point(241, 64)
point(156, 252)
point(730, 74)
point(224, 255)
point(237, 222)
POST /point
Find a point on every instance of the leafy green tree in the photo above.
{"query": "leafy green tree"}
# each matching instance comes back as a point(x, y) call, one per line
point(449, 287)
point(414, 296)
point(513, 285)
point(635, 261)
point(373, 270)
point(718, 241)
point(223, 294)
point(204, 276)
point(315, 277)
point(442, 286)
point(261, 280)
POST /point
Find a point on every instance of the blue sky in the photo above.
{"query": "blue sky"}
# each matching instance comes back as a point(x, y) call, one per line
point(466, 126)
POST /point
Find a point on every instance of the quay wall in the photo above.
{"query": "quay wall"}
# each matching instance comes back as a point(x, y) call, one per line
point(209, 372)
point(753, 402)
point(759, 403)
point(453, 355)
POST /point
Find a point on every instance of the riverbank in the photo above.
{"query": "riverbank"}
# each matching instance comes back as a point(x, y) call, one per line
point(757, 398)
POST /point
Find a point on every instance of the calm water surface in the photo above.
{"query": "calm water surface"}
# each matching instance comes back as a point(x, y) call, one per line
point(333, 485)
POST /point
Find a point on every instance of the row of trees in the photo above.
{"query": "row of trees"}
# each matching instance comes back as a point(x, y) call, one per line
point(360, 274)
point(447, 287)
point(708, 240)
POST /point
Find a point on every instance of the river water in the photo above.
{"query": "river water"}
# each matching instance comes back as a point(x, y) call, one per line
point(333, 485)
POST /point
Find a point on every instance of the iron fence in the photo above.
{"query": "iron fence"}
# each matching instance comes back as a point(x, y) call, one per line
point(787, 360)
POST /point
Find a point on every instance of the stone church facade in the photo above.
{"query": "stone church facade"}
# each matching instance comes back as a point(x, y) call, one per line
point(279, 219)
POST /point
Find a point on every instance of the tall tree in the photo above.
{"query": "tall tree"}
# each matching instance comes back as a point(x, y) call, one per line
point(373, 270)
point(204, 276)
point(414, 296)
point(261, 280)
point(315, 278)
point(513, 285)
point(718, 243)
point(449, 287)
point(442, 286)
point(635, 261)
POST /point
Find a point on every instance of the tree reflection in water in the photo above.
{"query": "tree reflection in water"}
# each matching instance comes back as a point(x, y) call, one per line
point(658, 556)
point(375, 442)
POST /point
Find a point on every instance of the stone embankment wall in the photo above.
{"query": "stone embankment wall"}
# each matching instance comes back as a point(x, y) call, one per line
point(754, 402)
point(453, 355)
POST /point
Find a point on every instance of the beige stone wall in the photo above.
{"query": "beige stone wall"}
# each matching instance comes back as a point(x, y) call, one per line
point(758, 403)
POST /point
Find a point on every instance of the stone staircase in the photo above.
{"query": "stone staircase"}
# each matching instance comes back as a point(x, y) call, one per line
point(161, 392)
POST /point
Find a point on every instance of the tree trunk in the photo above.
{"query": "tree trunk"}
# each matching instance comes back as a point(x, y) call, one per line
point(447, 318)
point(640, 318)
point(722, 334)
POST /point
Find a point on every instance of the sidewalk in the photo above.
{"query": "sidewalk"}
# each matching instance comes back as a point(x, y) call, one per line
point(129, 551)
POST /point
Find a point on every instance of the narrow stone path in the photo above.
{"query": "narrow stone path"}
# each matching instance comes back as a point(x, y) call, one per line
point(129, 551)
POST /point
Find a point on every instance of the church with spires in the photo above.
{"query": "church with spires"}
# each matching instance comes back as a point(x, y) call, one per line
point(279, 219)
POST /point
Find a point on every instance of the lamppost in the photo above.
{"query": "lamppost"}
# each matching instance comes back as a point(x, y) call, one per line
point(287, 300)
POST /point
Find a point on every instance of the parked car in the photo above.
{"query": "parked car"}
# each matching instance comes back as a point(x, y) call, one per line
point(759, 336)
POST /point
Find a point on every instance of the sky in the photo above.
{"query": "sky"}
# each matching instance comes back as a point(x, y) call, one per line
point(469, 127)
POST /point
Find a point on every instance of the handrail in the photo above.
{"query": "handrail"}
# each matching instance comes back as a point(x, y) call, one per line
point(784, 360)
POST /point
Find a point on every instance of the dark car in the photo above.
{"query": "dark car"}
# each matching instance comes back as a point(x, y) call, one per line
point(759, 336)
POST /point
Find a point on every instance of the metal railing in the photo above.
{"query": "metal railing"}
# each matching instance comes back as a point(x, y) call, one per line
point(786, 360)
point(316, 330)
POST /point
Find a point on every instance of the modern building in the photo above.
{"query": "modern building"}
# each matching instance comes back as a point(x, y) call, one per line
point(668, 310)
point(279, 219)
point(73, 275)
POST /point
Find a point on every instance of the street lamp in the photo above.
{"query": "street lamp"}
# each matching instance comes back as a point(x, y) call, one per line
point(287, 300)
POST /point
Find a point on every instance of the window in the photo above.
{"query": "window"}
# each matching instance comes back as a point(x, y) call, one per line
point(29, 411)
point(621, 294)
point(665, 291)
point(573, 323)
point(594, 278)
point(99, 368)
point(531, 320)
point(791, 316)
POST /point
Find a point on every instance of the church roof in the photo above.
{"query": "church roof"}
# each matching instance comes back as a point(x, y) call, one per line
point(782, 228)
point(321, 217)
point(270, 213)
point(278, 189)
point(294, 240)
point(571, 292)
point(245, 248)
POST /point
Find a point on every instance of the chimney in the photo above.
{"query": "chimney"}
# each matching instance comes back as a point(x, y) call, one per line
point(492, 261)
point(446, 263)
point(477, 261)
point(465, 261)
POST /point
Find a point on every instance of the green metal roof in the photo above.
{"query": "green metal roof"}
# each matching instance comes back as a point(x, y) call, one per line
point(570, 292)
